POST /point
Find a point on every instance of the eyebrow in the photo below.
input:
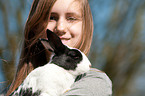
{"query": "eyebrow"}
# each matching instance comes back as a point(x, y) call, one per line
point(74, 14)
point(69, 13)
point(54, 13)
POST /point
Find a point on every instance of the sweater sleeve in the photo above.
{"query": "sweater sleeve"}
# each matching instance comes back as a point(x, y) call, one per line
point(95, 83)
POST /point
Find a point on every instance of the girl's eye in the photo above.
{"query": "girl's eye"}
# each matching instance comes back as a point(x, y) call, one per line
point(52, 17)
point(71, 19)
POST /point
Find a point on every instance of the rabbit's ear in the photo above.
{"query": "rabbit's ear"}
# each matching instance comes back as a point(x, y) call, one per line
point(53, 43)
point(46, 44)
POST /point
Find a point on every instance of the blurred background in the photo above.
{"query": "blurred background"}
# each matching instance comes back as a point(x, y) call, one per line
point(118, 46)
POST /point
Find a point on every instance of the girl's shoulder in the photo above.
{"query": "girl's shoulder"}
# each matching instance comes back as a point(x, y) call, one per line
point(96, 73)
point(98, 76)
point(93, 83)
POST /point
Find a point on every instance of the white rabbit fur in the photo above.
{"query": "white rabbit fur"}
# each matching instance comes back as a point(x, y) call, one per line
point(53, 80)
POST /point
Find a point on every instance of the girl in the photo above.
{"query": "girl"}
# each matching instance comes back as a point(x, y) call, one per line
point(72, 21)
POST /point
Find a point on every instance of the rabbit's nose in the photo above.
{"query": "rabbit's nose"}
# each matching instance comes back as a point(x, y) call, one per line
point(90, 65)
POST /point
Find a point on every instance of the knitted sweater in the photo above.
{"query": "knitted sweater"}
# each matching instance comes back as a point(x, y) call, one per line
point(95, 83)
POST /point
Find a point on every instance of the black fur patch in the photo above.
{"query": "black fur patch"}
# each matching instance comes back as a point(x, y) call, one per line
point(80, 77)
point(68, 60)
point(26, 92)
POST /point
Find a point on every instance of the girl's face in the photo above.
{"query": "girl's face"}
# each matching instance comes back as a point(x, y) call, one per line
point(66, 21)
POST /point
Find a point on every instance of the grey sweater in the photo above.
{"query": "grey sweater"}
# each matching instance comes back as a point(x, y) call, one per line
point(94, 83)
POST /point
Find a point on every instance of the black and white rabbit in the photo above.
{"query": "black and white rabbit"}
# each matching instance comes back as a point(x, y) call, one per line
point(57, 76)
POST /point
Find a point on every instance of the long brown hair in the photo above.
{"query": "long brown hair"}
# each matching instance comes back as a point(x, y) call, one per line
point(35, 28)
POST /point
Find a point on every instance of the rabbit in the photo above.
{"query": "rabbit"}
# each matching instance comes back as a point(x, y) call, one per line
point(57, 76)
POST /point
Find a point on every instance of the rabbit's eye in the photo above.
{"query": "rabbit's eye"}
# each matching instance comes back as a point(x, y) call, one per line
point(73, 54)
point(76, 57)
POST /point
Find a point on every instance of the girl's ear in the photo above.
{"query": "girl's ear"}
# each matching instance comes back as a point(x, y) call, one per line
point(53, 43)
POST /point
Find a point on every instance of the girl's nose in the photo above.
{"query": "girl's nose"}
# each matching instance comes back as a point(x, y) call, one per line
point(61, 27)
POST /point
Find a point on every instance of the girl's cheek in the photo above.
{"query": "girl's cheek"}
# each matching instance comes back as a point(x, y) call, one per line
point(51, 25)
point(76, 28)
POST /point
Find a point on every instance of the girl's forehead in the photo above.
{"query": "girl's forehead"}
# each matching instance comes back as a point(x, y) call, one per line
point(67, 5)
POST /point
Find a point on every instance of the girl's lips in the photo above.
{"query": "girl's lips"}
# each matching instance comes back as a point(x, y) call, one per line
point(65, 40)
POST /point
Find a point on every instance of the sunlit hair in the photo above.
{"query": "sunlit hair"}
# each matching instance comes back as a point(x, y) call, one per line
point(87, 28)
point(31, 55)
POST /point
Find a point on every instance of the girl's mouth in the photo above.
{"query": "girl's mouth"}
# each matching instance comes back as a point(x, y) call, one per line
point(65, 40)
